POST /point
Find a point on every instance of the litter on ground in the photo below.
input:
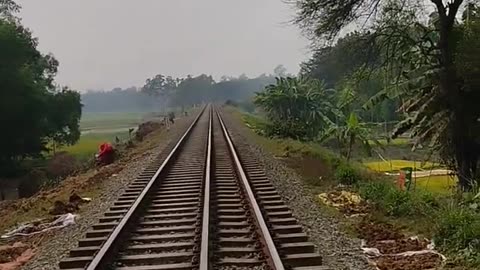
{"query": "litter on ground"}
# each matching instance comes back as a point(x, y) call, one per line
point(387, 248)
point(349, 203)
point(40, 226)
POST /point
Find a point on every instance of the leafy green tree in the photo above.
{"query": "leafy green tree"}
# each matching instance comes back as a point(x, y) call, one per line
point(194, 90)
point(348, 132)
point(160, 85)
point(333, 63)
point(27, 95)
point(65, 111)
point(297, 107)
point(421, 57)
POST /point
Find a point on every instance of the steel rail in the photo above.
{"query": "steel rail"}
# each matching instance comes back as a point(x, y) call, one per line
point(102, 257)
point(269, 246)
point(204, 247)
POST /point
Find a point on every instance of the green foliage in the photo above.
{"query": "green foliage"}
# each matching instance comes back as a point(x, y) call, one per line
point(32, 110)
point(298, 108)
point(349, 132)
point(457, 229)
point(161, 85)
point(431, 66)
point(200, 89)
point(65, 111)
point(397, 203)
point(350, 53)
point(346, 175)
point(246, 106)
point(257, 124)
point(374, 190)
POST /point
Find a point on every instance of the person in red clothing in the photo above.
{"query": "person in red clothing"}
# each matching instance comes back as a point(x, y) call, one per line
point(106, 154)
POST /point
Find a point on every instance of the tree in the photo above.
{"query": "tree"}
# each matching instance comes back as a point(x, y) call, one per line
point(7, 9)
point(27, 95)
point(347, 129)
point(348, 132)
point(162, 87)
point(349, 54)
point(280, 71)
point(194, 90)
point(297, 107)
point(65, 111)
point(440, 107)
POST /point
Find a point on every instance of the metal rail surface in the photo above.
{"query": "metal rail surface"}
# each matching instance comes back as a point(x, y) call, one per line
point(199, 205)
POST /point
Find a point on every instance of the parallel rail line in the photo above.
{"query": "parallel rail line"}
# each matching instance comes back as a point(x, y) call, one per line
point(199, 205)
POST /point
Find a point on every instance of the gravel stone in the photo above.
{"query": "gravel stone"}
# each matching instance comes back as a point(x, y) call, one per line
point(59, 242)
point(339, 251)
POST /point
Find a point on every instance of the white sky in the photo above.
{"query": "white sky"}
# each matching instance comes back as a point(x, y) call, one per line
point(102, 44)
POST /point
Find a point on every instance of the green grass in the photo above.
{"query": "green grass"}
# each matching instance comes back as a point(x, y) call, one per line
point(98, 128)
point(88, 144)
point(428, 210)
point(395, 165)
point(397, 141)
point(96, 121)
point(438, 184)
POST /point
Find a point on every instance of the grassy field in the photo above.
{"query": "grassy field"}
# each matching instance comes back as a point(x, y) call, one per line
point(439, 184)
point(102, 121)
point(88, 144)
point(98, 128)
point(395, 165)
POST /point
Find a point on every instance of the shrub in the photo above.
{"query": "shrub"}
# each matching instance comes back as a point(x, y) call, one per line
point(457, 227)
point(398, 203)
point(346, 175)
point(374, 191)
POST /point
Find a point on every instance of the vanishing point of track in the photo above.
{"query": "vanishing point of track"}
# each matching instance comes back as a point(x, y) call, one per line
point(200, 205)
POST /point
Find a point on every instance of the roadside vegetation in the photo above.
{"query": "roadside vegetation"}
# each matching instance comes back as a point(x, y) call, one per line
point(394, 97)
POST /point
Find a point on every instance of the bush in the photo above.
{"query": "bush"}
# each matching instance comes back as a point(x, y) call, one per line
point(61, 165)
point(457, 228)
point(374, 191)
point(398, 203)
point(346, 175)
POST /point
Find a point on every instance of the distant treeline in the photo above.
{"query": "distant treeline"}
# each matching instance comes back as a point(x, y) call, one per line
point(119, 100)
point(166, 91)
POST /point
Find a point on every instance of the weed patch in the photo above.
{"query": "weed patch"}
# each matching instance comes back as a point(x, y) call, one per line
point(346, 175)
point(457, 230)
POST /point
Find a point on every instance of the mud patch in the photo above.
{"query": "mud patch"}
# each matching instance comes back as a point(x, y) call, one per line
point(12, 257)
point(388, 249)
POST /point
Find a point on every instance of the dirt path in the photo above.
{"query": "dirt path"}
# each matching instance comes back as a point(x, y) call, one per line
point(426, 173)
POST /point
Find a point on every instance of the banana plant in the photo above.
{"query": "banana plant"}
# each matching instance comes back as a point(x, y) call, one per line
point(297, 107)
point(350, 132)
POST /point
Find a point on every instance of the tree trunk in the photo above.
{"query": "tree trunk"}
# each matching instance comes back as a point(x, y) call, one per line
point(350, 146)
point(466, 155)
point(464, 146)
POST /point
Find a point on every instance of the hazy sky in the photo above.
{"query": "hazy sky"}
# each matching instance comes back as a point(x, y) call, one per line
point(102, 44)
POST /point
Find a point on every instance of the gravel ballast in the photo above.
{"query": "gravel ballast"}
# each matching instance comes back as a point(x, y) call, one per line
point(58, 243)
point(339, 251)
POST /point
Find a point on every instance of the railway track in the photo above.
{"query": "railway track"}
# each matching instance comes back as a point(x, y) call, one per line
point(199, 205)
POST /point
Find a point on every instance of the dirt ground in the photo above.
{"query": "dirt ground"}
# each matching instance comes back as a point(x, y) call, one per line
point(89, 184)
